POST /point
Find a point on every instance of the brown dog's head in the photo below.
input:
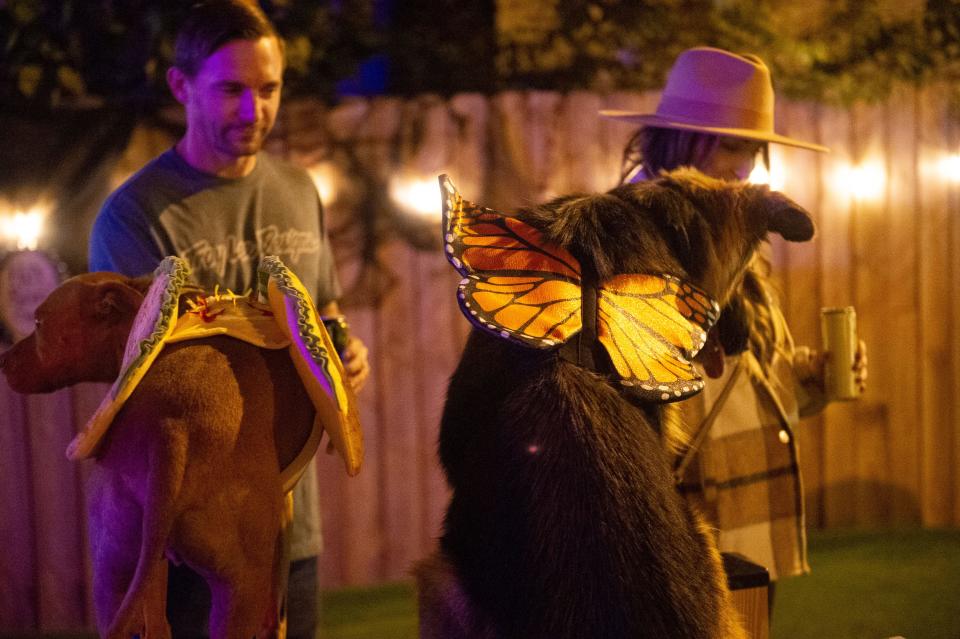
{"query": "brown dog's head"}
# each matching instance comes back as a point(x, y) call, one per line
point(683, 223)
point(81, 330)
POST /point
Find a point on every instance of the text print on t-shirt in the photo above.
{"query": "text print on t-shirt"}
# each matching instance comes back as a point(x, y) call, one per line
point(289, 245)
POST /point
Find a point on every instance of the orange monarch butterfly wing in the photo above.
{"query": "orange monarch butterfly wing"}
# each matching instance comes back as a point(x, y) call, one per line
point(652, 327)
point(516, 285)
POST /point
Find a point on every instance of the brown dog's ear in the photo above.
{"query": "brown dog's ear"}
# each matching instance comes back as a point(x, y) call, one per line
point(141, 283)
point(680, 217)
point(116, 300)
point(788, 218)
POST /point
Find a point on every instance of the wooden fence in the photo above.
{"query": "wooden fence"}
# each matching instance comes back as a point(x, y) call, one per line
point(893, 252)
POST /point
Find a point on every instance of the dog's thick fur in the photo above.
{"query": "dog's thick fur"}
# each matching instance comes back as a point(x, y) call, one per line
point(190, 468)
point(564, 521)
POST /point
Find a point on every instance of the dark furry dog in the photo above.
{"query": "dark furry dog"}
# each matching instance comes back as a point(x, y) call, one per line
point(564, 520)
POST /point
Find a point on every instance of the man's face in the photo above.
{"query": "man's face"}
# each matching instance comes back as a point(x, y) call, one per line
point(232, 101)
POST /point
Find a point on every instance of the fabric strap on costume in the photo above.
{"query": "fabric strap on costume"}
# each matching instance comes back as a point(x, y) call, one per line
point(703, 429)
point(584, 349)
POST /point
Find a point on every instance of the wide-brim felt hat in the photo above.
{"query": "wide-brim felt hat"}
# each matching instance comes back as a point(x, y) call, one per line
point(714, 91)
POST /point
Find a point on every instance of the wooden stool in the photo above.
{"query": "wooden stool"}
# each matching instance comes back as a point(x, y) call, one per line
point(748, 584)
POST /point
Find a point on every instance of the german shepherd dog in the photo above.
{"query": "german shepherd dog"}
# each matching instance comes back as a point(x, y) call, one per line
point(564, 522)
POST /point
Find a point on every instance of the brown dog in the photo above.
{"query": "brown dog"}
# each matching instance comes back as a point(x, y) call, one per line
point(190, 468)
point(564, 521)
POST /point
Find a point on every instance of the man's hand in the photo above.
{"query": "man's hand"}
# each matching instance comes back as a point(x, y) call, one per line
point(355, 363)
point(354, 355)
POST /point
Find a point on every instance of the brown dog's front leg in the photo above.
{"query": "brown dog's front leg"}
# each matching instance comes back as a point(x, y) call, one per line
point(155, 603)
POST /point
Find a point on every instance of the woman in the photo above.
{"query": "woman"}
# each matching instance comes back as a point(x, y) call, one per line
point(740, 468)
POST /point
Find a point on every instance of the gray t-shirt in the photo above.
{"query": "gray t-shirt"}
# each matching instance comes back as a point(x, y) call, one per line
point(221, 227)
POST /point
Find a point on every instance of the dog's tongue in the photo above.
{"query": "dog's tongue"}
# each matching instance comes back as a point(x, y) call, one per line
point(711, 355)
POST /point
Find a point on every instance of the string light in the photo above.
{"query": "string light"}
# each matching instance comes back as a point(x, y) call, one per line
point(325, 179)
point(950, 167)
point(23, 228)
point(863, 181)
point(417, 196)
point(775, 178)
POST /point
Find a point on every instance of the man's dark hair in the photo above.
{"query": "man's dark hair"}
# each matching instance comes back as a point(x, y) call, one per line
point(211, 24)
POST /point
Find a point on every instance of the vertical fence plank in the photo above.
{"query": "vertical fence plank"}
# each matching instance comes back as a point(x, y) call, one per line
point(18, 574)
point(577, 148)
point(936, 421)
point(57, 520)
point(894, 372)
point(836, 275)
point(399, 390)
point(522, 143)
point(871, 283)
point(801, 295)
point(468, 159)
point(951, 150)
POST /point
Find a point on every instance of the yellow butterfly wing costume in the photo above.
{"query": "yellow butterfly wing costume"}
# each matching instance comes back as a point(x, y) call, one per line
point(522, 288)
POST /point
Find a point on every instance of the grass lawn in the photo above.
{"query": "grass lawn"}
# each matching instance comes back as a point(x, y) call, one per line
point(381, 612)
point(869, 585)
point(864, 585)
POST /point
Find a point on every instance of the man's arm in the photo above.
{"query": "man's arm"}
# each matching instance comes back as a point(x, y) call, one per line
point(119, 245)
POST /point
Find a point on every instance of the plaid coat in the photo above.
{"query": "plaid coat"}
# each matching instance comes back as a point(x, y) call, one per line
point(745, 477)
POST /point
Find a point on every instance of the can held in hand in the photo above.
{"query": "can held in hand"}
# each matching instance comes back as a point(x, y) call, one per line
point(838, 330)
point(339, 331)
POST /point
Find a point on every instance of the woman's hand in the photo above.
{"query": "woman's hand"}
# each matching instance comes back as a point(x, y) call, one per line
point(811, 365)
point(860, 367)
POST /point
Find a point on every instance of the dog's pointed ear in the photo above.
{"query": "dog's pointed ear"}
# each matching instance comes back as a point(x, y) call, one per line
point(676, 214)
point(788, 218)
point(116, 300)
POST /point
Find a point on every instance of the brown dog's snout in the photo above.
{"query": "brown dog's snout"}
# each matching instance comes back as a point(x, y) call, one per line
point(22, 368)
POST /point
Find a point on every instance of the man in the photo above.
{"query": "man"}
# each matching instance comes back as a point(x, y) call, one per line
point(217, 201)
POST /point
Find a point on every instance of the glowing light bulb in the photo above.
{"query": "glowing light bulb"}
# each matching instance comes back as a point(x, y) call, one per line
point(864, 181)
point(325, 179)
point(950, 167)
point(23, 228)
point(419, 197)
point(775, 178)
